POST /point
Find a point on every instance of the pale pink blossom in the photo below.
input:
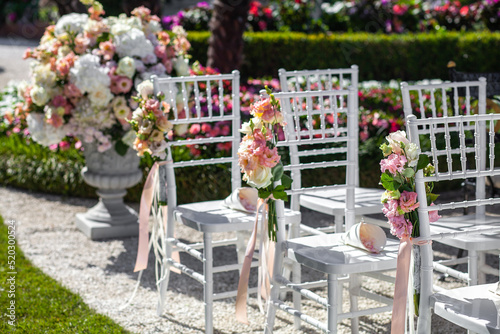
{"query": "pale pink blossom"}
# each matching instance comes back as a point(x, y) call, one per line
point(408, 201)
point(400, 226)
point(394, 163)
point(433, 215)
point(390, 208)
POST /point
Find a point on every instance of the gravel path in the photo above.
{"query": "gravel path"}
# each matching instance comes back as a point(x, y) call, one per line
point(102, 273)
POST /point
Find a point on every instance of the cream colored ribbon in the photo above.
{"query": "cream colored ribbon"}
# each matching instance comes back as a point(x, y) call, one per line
point(266, 260)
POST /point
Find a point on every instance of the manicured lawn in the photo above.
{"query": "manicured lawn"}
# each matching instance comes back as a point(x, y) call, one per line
point(41, 304)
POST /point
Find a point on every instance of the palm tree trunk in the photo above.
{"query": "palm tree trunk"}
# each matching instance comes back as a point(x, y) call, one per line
point(225, 46)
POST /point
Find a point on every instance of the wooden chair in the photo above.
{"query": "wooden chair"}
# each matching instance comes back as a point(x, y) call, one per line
point(327, 149)
point(197, 100)
point(474, 307)
point(332, 202)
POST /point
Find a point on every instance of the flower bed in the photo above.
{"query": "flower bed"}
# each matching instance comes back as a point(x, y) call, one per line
point(388, 16)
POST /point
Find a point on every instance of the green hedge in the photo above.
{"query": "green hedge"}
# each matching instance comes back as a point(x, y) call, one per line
point(379, 57)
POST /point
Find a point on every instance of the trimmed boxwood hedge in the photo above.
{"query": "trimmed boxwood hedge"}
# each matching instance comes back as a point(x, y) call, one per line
point(379, 57)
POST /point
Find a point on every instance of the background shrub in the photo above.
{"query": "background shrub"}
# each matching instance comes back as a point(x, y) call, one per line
point(379, 57)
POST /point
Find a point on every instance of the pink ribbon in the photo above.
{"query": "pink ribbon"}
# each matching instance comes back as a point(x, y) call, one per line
point(401, 284)
point(241, 296)
point(148, 193)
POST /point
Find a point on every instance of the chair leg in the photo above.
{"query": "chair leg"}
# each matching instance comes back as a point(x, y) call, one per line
point(339, 223)
point(240, 246)
point(481, 275)
point(209, 282)
point(332, 308)
point(354, 287)
point(473, 259)
point(275, 291)
point(163, 286)
point(297, 298)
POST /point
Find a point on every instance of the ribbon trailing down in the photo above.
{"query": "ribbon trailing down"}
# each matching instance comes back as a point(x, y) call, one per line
point(401, 284)
point(149, 193)
point(266, 258)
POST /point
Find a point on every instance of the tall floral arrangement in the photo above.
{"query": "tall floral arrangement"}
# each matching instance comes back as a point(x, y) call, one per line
point(399, 166)
point(85, 70)
point(258, 155)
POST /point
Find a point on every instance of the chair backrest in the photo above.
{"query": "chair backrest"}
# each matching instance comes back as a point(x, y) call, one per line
point(444, 99)
point(320, 134)
point(205, 112)
point(323, 79)
point(464, 159)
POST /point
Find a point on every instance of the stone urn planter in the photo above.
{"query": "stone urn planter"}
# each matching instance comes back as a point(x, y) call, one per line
point(111, 174)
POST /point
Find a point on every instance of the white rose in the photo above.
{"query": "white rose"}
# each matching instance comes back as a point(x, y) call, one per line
point(126, 67)
point(395, 139)
point(181, 66)
point(259, 178)
point(145, 88)
point(412, 154)
point(100, 97)
point(39, 95)
point(152, 27)
point(21, 89)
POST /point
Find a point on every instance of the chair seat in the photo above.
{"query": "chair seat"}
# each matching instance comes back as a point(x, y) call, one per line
point(332, 201)
point(474, 307)
point(478, 242)
point(327, 253)
point(214, 216)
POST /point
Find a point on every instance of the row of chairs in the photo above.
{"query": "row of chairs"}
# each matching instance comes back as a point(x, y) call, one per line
point(320, 139)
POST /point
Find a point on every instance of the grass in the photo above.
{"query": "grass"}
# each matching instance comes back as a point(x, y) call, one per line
point(41, 304)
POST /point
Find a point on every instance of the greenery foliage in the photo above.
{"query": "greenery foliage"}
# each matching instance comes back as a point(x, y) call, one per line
point(379, 57)
point(41, 304)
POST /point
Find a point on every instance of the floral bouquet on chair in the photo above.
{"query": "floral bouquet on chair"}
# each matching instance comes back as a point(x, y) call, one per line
point(258, 155)
point(401, 162)
point(85, 70)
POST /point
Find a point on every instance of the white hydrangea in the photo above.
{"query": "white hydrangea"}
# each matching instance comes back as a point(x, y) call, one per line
point(122, 24)
point(43, 133)
point(85, 116)
point(88, 75)
point(71, 23)
point(152, 27)
point(133, 43)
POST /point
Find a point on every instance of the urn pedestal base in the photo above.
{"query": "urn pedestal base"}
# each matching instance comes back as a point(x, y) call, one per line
point(110, 218)
point(111, 174)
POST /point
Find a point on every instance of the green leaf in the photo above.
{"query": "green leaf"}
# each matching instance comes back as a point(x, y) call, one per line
point(286, 181)
point(408, 172)
point(280, 195)
point(264, 193)
point(277, 172)
point(431, 198)
point(279, 188)
point(121, 148)
point(388, 182)
point(423, 161)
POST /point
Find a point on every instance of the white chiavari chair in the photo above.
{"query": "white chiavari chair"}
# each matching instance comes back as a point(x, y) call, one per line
point(212, 100)
point(332, 202)
point(475, 308)
point(445, 100)
point(327, 149)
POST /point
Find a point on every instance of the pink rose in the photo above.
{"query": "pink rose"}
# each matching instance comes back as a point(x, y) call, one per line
point(433, 215)
point(195, 129)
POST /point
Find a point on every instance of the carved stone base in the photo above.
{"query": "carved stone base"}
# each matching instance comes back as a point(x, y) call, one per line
point(111, 174)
